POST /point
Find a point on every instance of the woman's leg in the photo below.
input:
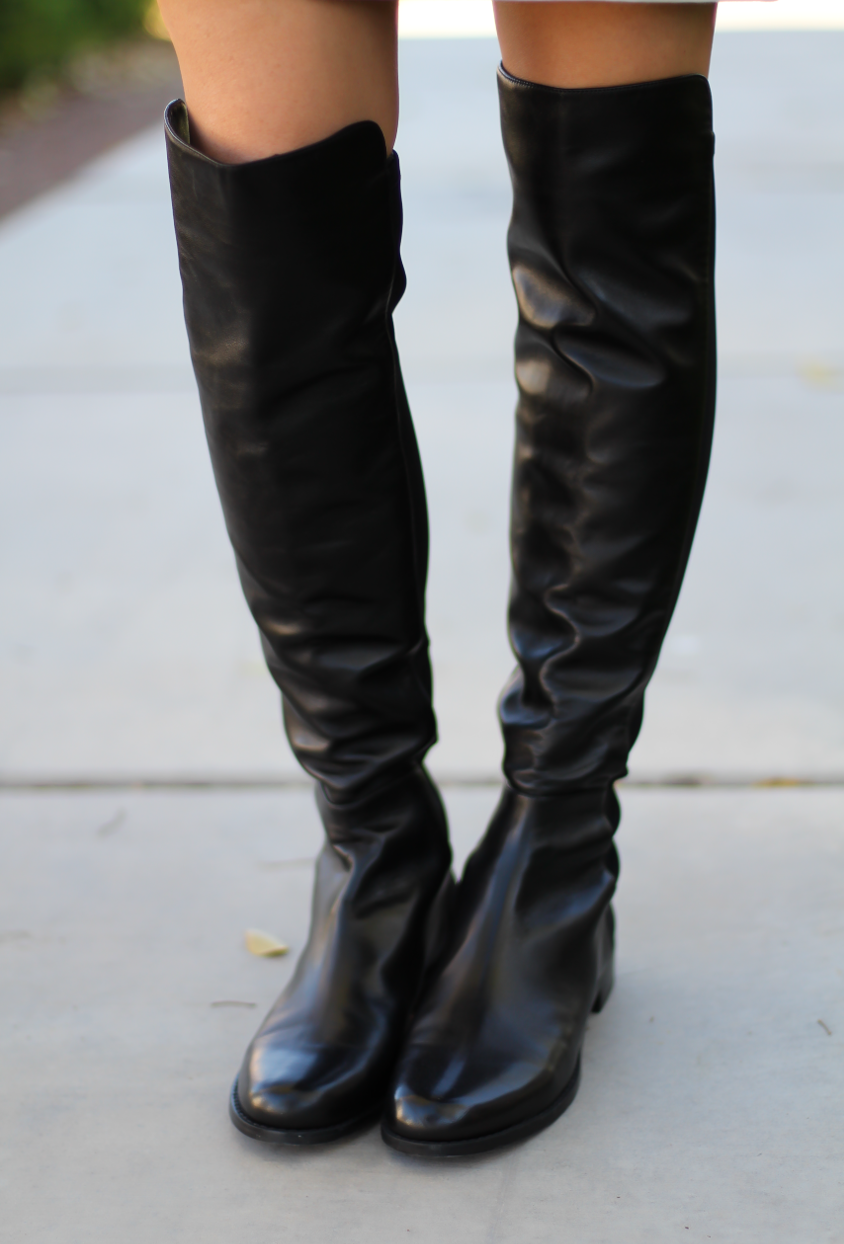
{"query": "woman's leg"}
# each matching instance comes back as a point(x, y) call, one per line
point(262, 77)
point(291, 271)
point(578, 44)
point(611, 253)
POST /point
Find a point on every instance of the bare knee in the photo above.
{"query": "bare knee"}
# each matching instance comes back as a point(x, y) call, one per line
point(576, 44)
point(266, 76)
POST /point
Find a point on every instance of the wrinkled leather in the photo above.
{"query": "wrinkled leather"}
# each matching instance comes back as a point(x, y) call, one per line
point(291, 271)
point(611, 247)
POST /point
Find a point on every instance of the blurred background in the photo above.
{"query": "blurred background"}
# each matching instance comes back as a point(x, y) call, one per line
point(150, 810)
point(126, 652)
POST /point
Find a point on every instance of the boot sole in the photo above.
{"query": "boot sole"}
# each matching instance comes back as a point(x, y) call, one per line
point(508, 1135)
point(303, 1136)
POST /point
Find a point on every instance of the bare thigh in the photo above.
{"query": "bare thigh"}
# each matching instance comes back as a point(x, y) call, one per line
point(575, 44)
point(262, 77)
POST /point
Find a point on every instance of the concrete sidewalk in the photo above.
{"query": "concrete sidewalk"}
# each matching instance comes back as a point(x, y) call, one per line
point(710, 1105)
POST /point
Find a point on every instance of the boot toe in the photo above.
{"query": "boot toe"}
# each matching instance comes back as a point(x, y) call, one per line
point(279, 1102)
point(302, 1089)
point(281, 1106)
point(417, 1117)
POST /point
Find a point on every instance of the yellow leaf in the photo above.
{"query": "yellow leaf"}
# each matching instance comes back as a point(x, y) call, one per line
point(820, 374)
point(260, 943)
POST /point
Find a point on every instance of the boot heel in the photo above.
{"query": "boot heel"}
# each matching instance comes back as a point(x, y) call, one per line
point(605, 984)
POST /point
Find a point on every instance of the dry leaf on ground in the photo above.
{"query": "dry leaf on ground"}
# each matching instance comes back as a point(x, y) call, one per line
point(260, 943)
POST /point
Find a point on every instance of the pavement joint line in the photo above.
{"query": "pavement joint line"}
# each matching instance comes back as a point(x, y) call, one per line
point(153, 378)
point(188, 782)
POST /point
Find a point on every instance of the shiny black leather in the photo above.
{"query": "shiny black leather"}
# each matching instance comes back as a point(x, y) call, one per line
point(611, 248)
point(321, 1061)
point(291, 271)
point(494, 1051)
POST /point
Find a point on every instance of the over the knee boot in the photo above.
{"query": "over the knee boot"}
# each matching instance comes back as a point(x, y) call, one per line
point(291, 272)
point(611, 250)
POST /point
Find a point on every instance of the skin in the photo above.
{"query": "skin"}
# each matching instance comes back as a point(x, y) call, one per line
point(262, 77)
point(603, 44)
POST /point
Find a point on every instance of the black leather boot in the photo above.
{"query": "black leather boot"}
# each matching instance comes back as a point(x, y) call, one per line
point(611, 250)
point(291, 272)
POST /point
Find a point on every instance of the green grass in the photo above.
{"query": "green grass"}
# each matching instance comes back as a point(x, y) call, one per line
point(38, 36)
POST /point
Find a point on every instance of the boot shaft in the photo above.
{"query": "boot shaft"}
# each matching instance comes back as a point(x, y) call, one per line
point(291, 271)
point(611, 248)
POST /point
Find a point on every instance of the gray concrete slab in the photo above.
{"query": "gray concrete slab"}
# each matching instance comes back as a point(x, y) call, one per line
point(710, 1104)
point(124, 645)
